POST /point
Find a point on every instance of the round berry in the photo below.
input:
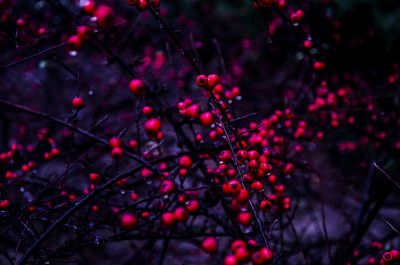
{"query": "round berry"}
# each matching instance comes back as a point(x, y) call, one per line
point(206, 118)
point(117, 153)
point(104, 15)
point(94, 177)
point(4, 204)
point(147, 110)
point(128, 221)
point(245, 218)
point(74, 43)
point(152, 126)
point(115, 142)
point(213, 80)
point(168, 219)
point(210, 245)
point(193, 206)
point(201, 80)
point(185, 161)
point(181, 215)
point(230, 260)
point(137, 87)
point(78, 103)
point(167, 187)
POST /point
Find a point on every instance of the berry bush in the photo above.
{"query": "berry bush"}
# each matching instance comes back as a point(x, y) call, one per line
point(199, 132)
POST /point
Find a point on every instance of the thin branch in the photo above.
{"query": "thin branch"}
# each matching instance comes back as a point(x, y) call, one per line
point(387, 175)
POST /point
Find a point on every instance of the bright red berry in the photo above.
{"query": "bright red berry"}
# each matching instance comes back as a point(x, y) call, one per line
point(104, 15)
point(4, 204)
point(245, 218)
point(212, 81)
point(78, 103)
point(307, 44)
point(181, 214)
point(210, 245)
point(152, 126)
point(242, 254)
point(167, 187)
point(147, 110)
point(232, 187)
point(84, 32)
point(206, 118)
point(74, 43)
point(201, 80)
point(230, 260)
point(185, 161)
point(193, 206)
point(137, 87)
point(94, 177)
point(117, 153)
point(168, 219)
point(115, 142)
point(128, 221)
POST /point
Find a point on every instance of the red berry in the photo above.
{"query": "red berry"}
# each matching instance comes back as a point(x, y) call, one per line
point(225, 155)
point(4, 204)
point(128, 221)
point(55, 152)
point(94, 177)
point(134, 196)
point(297, 16)
point(253, 155)
point(147, 110)
point(185, 161)
point(242, 254)
point(243, 196)
point(253, 164)
point(133, 143)
point(212, 81)
point(20, 22)
point(245, 218)
point(115, 142)
point(95, 208)
point(168, 219)
point(193, 206)
point(289, 168)
point(78, 103)
point(167, 187)
point(74, 43)
point(387, 257)
point(83, 32)
point(257, 258)
point(193, 111)
point(238, 244)
point(181, 215)
point(257, 185)
point(88, 6)
point(242, 155)
point(201, 80)
point(206, 118)
point(307, 44)
point(210, 245)
point(230, 260)
point(266, 254)
point(265, 205)
point(232, 187)
point(104, 15)
point(137, 87)
point(117, 152)
point(152, 126)
point(319, 66)
point(142, 4)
